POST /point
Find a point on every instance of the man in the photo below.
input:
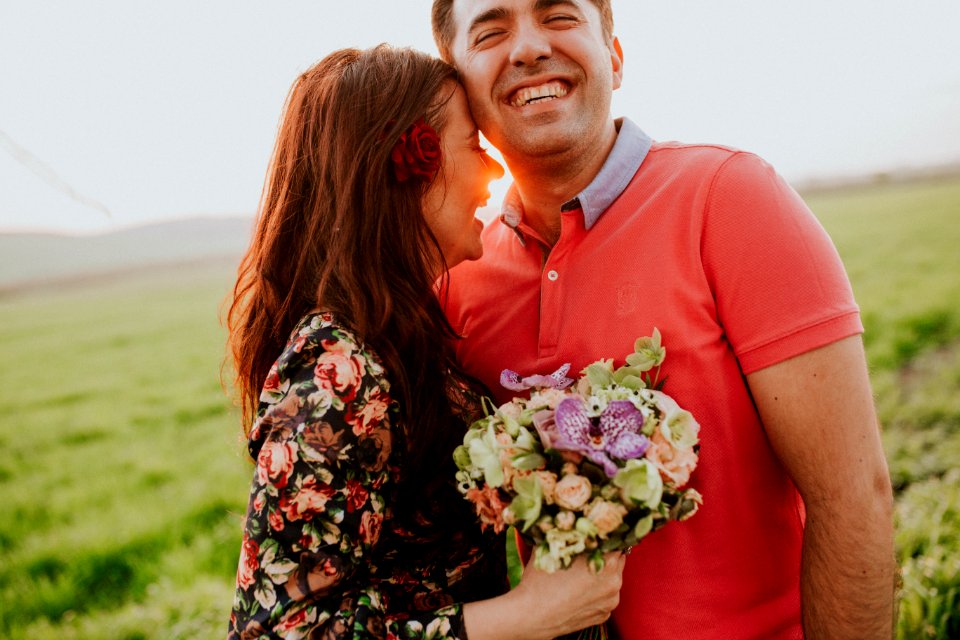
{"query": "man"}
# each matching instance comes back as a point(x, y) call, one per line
point(604, 236)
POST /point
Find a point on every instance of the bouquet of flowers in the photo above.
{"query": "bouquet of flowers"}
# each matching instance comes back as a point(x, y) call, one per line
point(583, 468)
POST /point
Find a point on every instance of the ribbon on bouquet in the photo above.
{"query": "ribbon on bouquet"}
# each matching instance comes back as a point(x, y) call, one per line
point(557, 380)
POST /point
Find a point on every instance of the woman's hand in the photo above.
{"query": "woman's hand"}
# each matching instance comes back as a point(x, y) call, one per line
point(547, 605)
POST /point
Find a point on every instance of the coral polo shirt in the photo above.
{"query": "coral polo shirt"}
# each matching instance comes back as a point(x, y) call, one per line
point(712, 247)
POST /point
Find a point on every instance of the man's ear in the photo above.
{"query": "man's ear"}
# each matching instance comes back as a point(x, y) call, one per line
point(616, 62)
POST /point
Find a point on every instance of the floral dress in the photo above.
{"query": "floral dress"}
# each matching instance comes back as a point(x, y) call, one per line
point(325, 554)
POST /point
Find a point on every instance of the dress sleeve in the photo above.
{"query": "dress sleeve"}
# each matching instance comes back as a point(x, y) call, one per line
point(322, 480)
point(779, 284)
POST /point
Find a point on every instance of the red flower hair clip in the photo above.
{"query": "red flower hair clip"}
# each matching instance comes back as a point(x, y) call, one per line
point(416, 155)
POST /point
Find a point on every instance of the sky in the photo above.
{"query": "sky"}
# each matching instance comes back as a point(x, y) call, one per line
point(118, 113)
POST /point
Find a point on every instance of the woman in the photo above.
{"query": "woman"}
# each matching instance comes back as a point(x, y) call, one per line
point(352, 401)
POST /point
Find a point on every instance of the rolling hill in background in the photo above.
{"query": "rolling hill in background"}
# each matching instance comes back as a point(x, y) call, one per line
point(28, 259)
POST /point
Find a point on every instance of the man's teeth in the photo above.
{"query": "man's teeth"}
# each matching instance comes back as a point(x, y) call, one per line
point(540, 93)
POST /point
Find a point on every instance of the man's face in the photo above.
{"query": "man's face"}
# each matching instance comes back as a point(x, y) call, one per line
point(539, 74)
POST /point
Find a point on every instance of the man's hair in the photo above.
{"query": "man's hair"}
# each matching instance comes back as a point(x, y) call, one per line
point(444, 29)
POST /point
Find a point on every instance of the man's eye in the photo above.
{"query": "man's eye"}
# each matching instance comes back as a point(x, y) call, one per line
point(486, 35)
point(559, 19)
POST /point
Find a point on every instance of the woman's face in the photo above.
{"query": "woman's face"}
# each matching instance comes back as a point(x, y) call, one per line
point(460, 188)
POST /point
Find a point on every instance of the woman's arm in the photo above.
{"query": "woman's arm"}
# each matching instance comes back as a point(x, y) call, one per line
point(318, 501)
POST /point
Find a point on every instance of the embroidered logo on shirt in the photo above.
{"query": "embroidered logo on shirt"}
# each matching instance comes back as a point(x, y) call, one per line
point(628, 295)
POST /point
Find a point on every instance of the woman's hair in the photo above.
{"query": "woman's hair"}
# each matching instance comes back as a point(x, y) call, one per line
point(337, 231)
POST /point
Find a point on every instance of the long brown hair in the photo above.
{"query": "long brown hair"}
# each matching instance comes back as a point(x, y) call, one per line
point(337, 231)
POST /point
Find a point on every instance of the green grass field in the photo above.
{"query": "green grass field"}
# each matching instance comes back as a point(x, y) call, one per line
point(123, 479)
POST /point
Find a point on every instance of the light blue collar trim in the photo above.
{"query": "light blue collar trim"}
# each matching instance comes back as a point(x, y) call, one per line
point(628, 153)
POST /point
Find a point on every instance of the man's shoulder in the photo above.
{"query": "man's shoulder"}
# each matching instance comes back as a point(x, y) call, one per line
point(680, 163)
point(693, 154)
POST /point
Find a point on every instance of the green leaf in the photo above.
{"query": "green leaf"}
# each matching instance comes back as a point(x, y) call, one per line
point(599, 374)
point(643, 527)
point(640, 482)
point(641, 360)
point(596, 561)
point(461, 456)
point(624, 372)
point(511, 426)
point(529, 461)
point(633, 382)
point(586, 527)
point(525, 440)
point(529, 500)
point(485, 453)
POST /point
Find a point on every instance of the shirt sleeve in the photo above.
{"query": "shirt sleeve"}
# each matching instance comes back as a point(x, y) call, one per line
point(779, 284)
point(318, 501)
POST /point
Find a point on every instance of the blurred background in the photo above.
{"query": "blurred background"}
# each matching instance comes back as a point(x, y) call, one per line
point(134, 138)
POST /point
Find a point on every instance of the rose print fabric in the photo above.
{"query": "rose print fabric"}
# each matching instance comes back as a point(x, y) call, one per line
point(332, 546)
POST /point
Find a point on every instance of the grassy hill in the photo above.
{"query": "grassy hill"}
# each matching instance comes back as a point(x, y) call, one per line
point(46, 257)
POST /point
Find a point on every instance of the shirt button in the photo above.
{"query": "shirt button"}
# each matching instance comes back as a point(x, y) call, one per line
point(552, 275)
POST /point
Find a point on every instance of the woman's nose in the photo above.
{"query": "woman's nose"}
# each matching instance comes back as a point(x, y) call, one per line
point(494, 168)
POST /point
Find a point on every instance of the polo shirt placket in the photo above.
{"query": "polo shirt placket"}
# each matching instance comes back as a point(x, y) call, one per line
point(578, 215)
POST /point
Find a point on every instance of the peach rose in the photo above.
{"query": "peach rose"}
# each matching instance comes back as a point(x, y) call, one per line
point(506, 448)
point(548, 484)
point(510, 474)
point(675, 466)
point(605, 515)
point(565, 520)
point(547, 398)
point(572, 492)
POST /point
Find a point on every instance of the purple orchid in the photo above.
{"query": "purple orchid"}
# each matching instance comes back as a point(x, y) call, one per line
point(557, 380)
point(616, 433)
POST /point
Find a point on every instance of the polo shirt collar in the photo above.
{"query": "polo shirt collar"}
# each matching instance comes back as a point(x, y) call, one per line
point(625, 158)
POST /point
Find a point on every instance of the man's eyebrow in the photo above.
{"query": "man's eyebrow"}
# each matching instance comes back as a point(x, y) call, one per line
point(543, 5)
point(497, 13)
point(501, 13)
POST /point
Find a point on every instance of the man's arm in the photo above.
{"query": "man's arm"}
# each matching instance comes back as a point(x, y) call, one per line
point(817, 409)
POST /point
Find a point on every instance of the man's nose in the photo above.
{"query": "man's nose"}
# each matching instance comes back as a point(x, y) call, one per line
point(530, 44)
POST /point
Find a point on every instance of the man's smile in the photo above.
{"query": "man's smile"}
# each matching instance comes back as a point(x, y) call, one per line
point(538, 93)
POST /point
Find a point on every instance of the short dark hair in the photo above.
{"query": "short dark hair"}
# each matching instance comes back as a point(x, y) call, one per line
point(443, 27)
